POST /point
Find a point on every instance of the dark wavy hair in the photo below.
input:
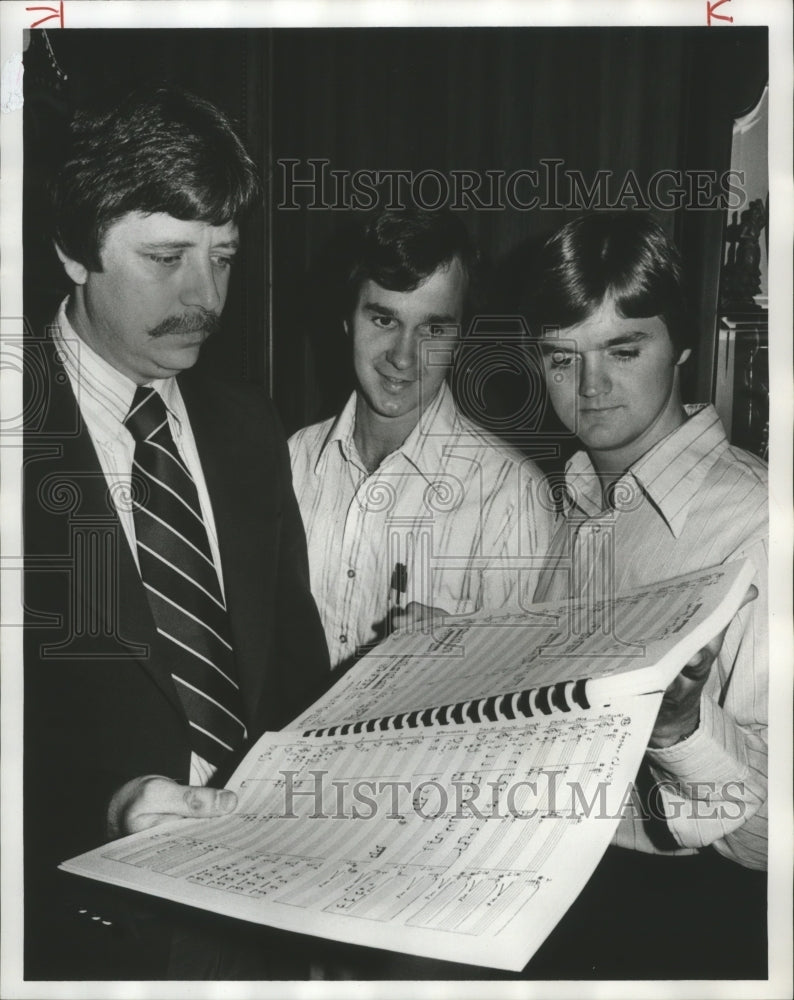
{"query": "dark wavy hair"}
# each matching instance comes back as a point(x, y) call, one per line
point(159, 150)
point(398, 249)
point(625, 257)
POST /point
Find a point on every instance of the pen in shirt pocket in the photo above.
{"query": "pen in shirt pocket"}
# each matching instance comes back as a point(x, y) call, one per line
point(399, 581)
point(397, 587)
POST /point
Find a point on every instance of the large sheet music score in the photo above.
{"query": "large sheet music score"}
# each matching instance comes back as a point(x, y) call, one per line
point(629, 644)
point(412, 827)
point(471, 862)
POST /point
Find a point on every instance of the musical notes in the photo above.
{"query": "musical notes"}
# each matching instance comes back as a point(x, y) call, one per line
point(625, 645)
point(402, 839)
point(453, 806)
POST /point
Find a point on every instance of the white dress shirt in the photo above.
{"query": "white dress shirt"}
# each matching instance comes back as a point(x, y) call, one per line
point(689, 503)
point(454, 504)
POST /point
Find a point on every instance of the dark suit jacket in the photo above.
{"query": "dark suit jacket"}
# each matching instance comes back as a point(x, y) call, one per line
point(100, 704)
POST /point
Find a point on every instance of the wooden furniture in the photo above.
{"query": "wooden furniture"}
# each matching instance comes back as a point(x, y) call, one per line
point(741, 384)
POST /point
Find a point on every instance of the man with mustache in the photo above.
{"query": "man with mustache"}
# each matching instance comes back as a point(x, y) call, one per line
point(169, 614)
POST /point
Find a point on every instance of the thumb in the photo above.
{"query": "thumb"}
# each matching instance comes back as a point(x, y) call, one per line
point(408, 617)
point(162, 796)
point(752, 593)
point(199, 801)
point(422, 612)
point(700, 663)
point(153, 799)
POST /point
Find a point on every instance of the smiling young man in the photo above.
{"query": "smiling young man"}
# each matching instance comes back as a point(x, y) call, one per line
point(657, 492)
point(167, 592)
point(405, 500)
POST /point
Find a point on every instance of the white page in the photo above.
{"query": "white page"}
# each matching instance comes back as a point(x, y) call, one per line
point(651, 631)
point(463, 863)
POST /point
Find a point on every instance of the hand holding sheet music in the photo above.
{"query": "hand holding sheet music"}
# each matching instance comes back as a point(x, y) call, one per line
point(453, 793)
point(632, 643)
point(464, 843)
point(679, 714)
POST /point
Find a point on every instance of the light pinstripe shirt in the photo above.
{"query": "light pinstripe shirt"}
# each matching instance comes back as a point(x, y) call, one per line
point(454, 504)
point(689, 503)
point(104, 396)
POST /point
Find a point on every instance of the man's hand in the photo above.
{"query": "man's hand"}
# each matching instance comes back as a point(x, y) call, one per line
point(679, 715)
point(150, 800)
point(414, 615)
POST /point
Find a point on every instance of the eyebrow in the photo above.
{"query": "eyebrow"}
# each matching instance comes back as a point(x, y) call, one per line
point(186, 245)
point(434, 319)
point(549, 346)
point(377, 307)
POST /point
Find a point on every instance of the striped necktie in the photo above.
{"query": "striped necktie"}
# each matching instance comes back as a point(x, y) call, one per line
point(181, 582)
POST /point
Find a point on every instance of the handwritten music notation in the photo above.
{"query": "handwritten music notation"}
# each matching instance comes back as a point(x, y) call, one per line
point(465, 837)
point(603, 642)
point(423, 831)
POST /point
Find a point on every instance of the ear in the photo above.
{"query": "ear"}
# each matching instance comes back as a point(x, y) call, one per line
point(76, 271)
point(684, 356)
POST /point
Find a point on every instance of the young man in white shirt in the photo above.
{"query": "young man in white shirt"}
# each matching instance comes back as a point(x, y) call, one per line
point(407, 502)
point(657, 492)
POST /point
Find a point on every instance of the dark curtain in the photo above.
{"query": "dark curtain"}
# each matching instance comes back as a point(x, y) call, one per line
point(499, 99)
point(621, 100)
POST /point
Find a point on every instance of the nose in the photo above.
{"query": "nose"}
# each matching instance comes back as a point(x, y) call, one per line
point(202, 286)
point(403, 350)
point(593, 378)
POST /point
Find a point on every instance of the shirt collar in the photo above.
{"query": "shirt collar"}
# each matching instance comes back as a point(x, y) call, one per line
point(582, 485)
point(670, 474)
point(104, 394)
point(422, 447)
point(341, 434)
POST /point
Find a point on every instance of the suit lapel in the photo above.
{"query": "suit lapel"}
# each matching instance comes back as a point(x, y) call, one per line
point(118, 611)
point(239, 496)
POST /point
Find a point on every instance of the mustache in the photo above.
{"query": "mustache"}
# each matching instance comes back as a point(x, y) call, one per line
point(193, 322)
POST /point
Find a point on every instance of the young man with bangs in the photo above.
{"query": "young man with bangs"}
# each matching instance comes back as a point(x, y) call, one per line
point(656, 492)
point(169, 617)
point(407, 503)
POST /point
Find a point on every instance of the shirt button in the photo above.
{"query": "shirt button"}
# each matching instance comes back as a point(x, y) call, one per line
point(351, 573)
point(343, 638)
